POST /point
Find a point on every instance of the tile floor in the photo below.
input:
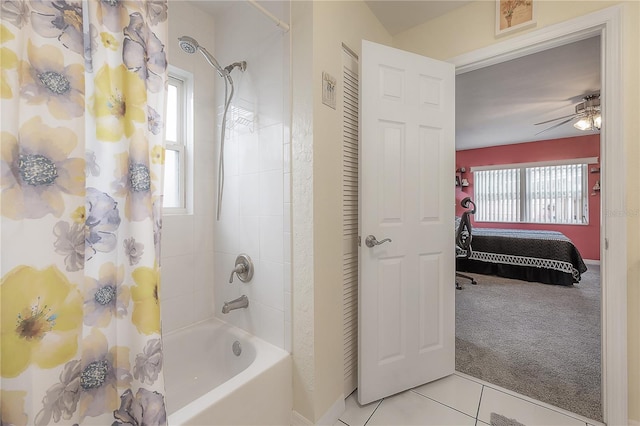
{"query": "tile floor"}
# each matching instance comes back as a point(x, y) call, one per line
point(456, 400)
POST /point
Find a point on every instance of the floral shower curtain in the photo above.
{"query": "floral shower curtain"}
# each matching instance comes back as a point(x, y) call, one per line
point(82, 91)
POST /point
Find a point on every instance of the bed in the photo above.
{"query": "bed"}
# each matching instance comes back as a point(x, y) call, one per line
point(542, 256)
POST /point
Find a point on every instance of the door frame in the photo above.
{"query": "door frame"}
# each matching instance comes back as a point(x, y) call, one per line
point(607, 23)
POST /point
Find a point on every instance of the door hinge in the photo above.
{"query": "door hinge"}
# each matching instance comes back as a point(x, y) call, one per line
point(359, 241)
point(606, 244)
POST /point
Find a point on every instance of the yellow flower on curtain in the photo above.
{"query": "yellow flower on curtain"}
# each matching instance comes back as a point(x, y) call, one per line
point(44, 78)
point(12, 408)
point(118, 103)
point(35, 170)
point(104, 370)
point(8, 60)
point(41, 319)
point(157, 154)
point(109, 41)
point(146, 306)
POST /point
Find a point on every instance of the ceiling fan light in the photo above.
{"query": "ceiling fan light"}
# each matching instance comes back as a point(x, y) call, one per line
point(597, 121)
point(583, 124)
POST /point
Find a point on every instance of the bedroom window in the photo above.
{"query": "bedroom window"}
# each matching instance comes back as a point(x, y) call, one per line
point(535, 193)
point(178, 127)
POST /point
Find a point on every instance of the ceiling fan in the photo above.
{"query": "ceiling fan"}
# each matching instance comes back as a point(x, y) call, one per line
point(587, 113)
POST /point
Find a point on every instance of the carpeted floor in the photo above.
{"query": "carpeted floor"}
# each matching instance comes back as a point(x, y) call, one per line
point(536, 339)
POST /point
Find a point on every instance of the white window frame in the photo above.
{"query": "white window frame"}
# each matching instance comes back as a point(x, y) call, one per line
point(523, 207)
point(184, 146)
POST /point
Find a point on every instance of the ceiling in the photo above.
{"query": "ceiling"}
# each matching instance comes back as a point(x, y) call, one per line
point(400, 15)
point(499, 105)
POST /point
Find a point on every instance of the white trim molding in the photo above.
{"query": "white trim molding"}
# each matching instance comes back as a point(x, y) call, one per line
point(606, 23)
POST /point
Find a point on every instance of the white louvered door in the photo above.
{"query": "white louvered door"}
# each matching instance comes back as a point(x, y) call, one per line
point(350, 219)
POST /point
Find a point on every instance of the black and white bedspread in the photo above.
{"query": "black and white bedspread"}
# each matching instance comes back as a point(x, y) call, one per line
point(543, 256)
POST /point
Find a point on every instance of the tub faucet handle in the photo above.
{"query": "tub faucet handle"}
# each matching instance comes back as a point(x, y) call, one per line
point(239, 269)
point(243, 268)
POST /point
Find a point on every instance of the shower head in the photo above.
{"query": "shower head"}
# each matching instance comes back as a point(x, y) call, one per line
point(190, 45)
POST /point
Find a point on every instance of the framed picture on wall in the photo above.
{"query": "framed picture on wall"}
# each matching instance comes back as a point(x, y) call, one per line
point(457, 180)
point(514, 15)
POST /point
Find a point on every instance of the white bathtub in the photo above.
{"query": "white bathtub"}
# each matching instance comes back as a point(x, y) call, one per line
point(206, 384)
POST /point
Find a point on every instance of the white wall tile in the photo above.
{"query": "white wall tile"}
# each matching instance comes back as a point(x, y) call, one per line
point(271, 239)
point(177, 312)
point(250, 195)
point(270, 290)
point(177, 235)
point(249, 234)
point(287, 277)
point(249, 153)
point(287, 337)
point(268, 323)
point(287, 306)
point(177, 276)
point(271, 148)
point(203, 306)
point(287, 188)
point(271, 193)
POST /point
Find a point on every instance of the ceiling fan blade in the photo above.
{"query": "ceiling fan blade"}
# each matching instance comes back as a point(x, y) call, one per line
point(557, 125)
point(554, 119)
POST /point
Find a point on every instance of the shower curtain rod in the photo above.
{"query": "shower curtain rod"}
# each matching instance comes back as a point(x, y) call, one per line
point(270, 15)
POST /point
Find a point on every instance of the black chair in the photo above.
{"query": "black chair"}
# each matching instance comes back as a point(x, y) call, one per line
point(464, 236)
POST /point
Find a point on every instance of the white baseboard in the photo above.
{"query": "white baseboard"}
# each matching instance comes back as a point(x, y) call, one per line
point(328, 419)
point(591, 262)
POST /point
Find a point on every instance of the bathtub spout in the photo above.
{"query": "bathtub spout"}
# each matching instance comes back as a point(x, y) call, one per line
point(240, 302)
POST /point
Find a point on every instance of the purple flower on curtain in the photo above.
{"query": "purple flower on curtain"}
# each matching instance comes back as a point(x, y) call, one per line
point(61, 400)
point(149, 363)
point(103, 219)
point(157, 228)
point(70, 243)
point(155, 10)
point(134, 179)
point(59, 19)
point(46, 79)
point(113, 14)
point(143, 53)
point(145, 408)
point(36, 169)
point(133, 250)
point(104, 370)
point(15, 12)
point(92, 166)
point(106, 297)
point(154, 121)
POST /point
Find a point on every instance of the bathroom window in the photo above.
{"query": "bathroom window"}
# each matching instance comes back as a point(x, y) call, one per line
point(178, 131)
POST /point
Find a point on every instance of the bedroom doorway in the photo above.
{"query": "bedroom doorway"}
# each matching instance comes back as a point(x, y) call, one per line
point(532, 324)
point(613, 280)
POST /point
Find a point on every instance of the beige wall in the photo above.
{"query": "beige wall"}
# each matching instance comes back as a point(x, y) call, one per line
point(320, 27)
point(442, 38)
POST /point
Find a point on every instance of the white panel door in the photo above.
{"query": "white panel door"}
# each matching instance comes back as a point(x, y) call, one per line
point(406, 288)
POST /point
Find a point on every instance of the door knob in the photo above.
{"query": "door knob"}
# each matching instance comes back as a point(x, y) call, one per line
point(371, 241)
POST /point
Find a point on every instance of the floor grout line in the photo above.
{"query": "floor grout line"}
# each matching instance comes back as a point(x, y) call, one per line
point(374, 411)
point(441, 403)
point(479, 403)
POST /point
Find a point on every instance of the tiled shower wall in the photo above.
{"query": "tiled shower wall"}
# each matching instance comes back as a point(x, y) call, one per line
point(198, 251)
point(256, 205)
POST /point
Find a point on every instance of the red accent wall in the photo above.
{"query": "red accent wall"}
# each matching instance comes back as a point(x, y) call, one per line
point(585, 237)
